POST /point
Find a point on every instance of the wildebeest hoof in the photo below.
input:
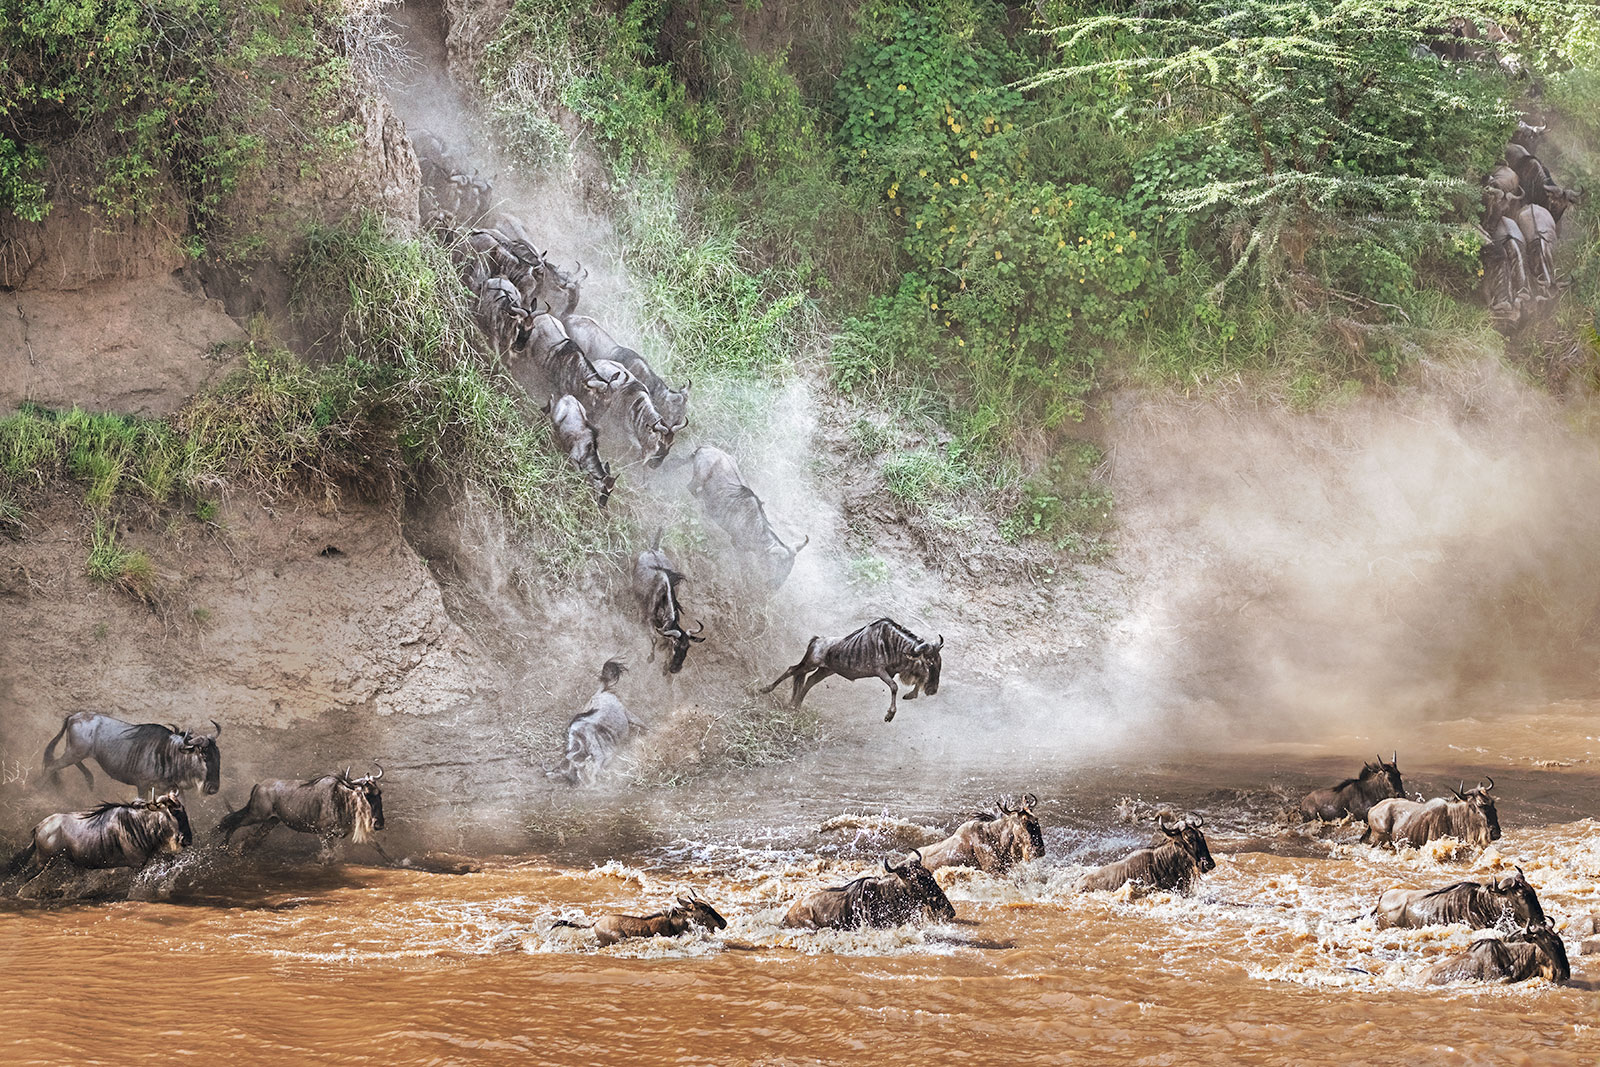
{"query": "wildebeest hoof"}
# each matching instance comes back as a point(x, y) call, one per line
point(889, 717)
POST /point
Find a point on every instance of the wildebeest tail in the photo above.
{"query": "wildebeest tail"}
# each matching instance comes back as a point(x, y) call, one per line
point(50, 749)
point(20, 860)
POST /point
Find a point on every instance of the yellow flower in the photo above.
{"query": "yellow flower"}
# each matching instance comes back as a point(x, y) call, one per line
point(922, 173)
point(934, 306)
point(1035, 211)
point(1119, 248)
point(973, 153)
point(1069, 202)
point(997, 255)
point(956, 126)
point(955, 181)
point(891, 194)
point(1061, 243)
point(960, 342)
point(964, 177)
point(919, 224)
point(1132, 235)
point(902, 88)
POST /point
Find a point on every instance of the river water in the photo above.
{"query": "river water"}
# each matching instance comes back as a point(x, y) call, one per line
point(283, 960)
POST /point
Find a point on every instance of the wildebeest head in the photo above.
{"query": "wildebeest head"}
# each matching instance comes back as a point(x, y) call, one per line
point(367, 788)
point(680, 639)
point(1385, 773)
point(1024, 826)
point(1518, 897)
point(922, 886)
point(179, 835)
point(1549, 943)
point(206, 748)
point(700, 912)
point(665, 431)
point(1187, 836)
point(1478, 796)
point(929, 653)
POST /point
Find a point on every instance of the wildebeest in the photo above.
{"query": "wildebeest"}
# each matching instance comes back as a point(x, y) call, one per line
point(548, 358)
point(1353, 797)
point(1471, 817)
point(330, 806)
point(903, 892)
point(1539, 237)
point(596, 732)
point(1475, 904)
point(671, 404)
point(991, 841)
point(1538, 185)
point(670, 922)
point(144, 755)
point(579, 438)
point(1505, 273)
point(645, 428)
point(500, 314)
point(655, 584)
point(1533, 951)
point(1173, 864)
point(734, 506)
point(881, 649)
point(112, 835)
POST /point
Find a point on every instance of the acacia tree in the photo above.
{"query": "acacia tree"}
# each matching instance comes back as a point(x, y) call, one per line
point(1340, 121)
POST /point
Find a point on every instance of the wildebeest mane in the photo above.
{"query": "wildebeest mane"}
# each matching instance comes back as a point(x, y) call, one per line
point(353, 809)
point(1452, 887)
point(102, 816)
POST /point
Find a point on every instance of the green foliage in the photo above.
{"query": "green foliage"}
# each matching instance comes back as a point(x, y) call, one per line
point(129, 98)
point(109, 562)
point(1067, 504)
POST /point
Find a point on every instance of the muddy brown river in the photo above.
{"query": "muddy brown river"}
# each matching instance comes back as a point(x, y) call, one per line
point(283, 960)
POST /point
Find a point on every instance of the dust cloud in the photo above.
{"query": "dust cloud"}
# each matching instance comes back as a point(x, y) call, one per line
point(1365, 567)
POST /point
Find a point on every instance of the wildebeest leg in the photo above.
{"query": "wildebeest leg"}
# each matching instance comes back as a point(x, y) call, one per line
point(801, 691)
point(379, 848)
point(262, 830)
point(797, 669)
point(45, 866)
point(894, 693)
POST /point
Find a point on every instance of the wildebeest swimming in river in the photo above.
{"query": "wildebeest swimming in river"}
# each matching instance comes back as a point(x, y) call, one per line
point(881, 649)
point(144, 755)
point(112, 835)
point(670, 922)
point(330, 806)
point(1354, 797)
point(1172, 865)
point(902, 893)
point(1533, 951)
point(734, 506)
point(655, 584)
point(1471, 817)
point(1476, 904)
point(991, 841)
point(596, 732)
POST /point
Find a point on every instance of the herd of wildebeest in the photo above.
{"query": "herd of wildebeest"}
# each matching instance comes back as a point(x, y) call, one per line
point(164, 761)
point(1522, 209)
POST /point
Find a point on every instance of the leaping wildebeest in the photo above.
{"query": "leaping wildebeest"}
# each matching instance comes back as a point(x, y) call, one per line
point(671, 921)
point(147, 756)
point(596, 732)
point(991, 841)
point(882, 649)
point(902, 893)
point(1533, 951)
point(112, 835)
point(734, 506)
point(655, 584)
point(1174, 864)
point(1471, 817)
point(1354, 797)
point(1475, 904)
point(329, 806)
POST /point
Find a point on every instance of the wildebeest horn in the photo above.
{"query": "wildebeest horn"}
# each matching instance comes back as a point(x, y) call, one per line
point(1485, 788)
point(218, 725)
point(699, 625)
point(1028, 801)
point(1194, 821)
point(1396, 761)
point(803, 543)
point(379, 775)
point(1457, 791)
point(916, 858)
point(1161, 821)
point(347, 772)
